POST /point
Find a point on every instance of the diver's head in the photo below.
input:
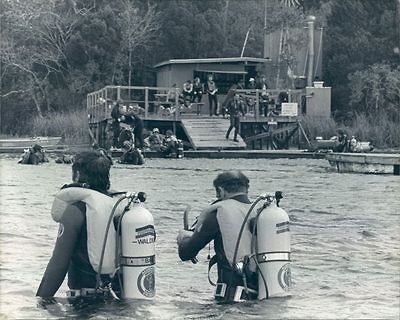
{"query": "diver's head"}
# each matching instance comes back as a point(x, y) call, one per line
point(230, 183)
point(92, 168)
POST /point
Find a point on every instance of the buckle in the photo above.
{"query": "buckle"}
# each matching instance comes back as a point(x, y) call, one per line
point(73, 293)
point(240, 294)
point(220, 290)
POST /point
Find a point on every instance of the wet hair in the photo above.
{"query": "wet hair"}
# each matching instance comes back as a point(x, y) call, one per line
point(232, 181)
point(94, 169)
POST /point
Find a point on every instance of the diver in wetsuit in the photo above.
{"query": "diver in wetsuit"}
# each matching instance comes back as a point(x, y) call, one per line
point(82, 210)
point(221, 222)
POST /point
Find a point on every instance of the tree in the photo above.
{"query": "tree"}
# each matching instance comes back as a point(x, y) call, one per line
point(34, 37)
point(376, 90)
point(138, 29)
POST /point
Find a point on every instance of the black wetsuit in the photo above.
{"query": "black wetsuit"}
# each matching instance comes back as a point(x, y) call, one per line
point(70, 254)
point(209, 231)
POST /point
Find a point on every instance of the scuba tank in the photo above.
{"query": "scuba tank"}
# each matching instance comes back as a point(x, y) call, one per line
point(270, 246)
point(135, 247)
point(273, 250)
point(180, 149)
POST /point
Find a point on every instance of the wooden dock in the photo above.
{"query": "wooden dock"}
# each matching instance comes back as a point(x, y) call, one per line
point(375, 163)
point(209, 134)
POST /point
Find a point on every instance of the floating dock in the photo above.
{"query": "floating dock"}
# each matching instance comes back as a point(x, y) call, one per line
point(375, 163)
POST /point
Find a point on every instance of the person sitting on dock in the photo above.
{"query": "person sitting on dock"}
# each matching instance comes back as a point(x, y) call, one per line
point(342, 143)
point(131, 155)
point(170, 145)
point(155, 140)
point(197, 90)
point(235, 108)
point(33, 155)
point(187, 93)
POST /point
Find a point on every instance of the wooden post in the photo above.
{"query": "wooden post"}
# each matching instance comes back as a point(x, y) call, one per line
point(146, 102)
point(118, 92)
point(177, 110)
point(257, 108)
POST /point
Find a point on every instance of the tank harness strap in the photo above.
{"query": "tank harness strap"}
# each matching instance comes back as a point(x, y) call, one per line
point(212, 261)
point(106, 291)
point(226, 293)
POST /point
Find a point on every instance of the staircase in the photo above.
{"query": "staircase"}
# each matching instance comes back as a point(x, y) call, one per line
point(209, 134)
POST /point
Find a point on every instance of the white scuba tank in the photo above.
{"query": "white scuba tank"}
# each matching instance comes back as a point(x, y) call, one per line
point(138, 253)
point(273, 252)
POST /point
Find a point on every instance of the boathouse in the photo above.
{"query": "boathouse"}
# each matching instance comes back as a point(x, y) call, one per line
point(226, 71)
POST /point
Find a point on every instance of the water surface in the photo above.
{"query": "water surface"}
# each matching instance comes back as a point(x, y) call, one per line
point(345, 240)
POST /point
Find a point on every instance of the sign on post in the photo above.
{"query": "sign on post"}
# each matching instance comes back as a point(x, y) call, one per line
point(289, 109)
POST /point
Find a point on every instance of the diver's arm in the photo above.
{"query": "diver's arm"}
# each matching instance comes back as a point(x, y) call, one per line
point(190, 245)
point(70, 226)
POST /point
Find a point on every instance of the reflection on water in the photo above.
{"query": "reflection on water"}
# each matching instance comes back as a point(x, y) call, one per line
point(345, 240)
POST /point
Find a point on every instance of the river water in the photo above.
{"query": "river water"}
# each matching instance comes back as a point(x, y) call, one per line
point(345, 240)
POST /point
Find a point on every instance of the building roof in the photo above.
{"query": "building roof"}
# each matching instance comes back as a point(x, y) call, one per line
point(212, 60)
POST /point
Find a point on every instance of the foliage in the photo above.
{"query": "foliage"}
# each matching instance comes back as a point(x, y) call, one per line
point(380, 129)
point(376, 90)
point(72, 126)
point(53, 52)
point(359, 33)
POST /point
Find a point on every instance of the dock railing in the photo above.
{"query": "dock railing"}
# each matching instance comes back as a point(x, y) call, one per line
point(154, 102)
point(255, 108)
point(163, 102)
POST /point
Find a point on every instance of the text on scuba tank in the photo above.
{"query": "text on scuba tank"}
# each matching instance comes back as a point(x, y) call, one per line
point(145, 235)
point(282, 227)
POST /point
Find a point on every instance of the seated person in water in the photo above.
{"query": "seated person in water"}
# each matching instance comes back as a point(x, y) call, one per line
point(34, 155)
point(103, 152)
point(170, 145)
point(131, 155)
point(221, 222)
point(82, 210)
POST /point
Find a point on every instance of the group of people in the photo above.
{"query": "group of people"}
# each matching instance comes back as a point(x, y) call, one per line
point(84, 209)
point(127, 128)
point(168, 144)
point(344, 144)
point(268, 105)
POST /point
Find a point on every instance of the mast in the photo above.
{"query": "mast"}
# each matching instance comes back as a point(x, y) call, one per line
point(310, 23)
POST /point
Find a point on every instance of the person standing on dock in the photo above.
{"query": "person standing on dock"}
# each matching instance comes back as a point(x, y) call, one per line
point(212, 89)
point(115, 125)
point(235, 108)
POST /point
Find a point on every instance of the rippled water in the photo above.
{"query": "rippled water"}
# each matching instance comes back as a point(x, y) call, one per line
point(345, 240)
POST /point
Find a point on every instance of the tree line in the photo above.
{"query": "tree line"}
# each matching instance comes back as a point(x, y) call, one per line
point(53, 52)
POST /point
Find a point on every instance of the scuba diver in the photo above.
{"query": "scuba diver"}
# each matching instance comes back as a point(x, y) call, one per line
point(131, 154)
point(221, 222)
point(33, 155)
point(251, 241)
point(95, 255)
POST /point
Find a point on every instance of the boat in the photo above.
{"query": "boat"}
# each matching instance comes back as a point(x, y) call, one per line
point(375, 163)
point(23, 143)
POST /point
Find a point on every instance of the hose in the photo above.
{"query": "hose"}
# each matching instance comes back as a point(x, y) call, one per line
point(266, 197)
